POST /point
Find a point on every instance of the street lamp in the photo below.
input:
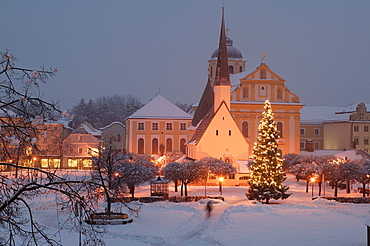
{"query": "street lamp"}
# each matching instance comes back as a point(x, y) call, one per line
point(312, 181)
point(221, 179)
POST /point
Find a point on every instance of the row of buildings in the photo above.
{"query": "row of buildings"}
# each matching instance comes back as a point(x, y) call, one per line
point(223, 124)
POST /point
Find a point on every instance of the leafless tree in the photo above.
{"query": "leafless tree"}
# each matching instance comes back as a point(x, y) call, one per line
point(22, 111)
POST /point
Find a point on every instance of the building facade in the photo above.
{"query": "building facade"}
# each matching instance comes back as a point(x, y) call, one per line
point(157, 128)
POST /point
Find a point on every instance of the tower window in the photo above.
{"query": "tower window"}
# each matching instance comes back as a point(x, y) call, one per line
point(229, 132)
point(216, 132)
point(240, 69)
point(231, 69)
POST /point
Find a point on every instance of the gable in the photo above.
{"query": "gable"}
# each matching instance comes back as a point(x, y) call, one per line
point(160, 108)
point(263, 72)
point(221, 136)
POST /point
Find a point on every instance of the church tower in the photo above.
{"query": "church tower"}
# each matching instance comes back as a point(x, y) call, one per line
point(222, 83)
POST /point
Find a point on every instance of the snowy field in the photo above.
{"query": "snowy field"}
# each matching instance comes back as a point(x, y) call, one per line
point(236, 221)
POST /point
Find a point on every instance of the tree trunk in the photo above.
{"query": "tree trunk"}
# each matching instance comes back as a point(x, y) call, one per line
point(132, 190)
point(319, 188)
point(335, 190)
point(307, 182)
point(176, 184)
point(348, 190)
point(182, 187)
point(186, 189)
point(363, 190)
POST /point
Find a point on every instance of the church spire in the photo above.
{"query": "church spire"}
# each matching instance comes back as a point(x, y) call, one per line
point(222, 69)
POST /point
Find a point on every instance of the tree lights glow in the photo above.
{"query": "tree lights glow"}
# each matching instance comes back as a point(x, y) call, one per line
point(267, 175)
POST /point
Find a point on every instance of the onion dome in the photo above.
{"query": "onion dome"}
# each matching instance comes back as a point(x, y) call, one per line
point(232, 52)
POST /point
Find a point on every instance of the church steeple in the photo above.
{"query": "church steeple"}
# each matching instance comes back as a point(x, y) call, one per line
point(222, 69)
point(222, 81)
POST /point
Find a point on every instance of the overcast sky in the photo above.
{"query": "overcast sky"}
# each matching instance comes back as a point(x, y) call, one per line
point(101, 48)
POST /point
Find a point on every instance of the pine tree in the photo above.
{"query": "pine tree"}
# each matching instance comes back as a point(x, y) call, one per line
point(267, 175)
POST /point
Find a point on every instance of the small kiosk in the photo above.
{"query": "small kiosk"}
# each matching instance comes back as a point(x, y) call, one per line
point(159, 187)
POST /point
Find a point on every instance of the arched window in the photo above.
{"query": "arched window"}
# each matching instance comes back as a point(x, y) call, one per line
point(155, 146)
point(169, 145)
point(245, 128)
point(240, 69)
point(280, 128)
point(231, 69)
point(140, 146)
point(182, 145)
point(245, 93)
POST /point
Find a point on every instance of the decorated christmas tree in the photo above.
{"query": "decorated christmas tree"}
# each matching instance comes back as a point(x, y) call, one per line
point(267, 175)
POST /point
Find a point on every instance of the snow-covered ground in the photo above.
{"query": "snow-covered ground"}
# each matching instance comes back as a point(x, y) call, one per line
point(236, 221)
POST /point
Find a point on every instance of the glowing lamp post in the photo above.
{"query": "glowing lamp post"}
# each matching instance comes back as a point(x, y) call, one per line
point(220, 180)
point(312, 181)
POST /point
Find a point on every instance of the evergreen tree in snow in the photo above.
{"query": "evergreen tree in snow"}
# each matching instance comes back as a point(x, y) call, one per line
point(267, 175)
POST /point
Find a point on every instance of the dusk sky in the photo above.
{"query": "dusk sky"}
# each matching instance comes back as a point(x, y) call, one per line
point(101, 48)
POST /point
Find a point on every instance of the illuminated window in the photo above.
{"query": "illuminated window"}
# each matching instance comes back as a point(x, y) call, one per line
point(155, 126)
point(87, 163)
point(182, 126)
point(168, 126)
point(72, 163)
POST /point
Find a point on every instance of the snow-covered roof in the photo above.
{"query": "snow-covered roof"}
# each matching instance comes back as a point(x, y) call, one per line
point(321, 152)
point(111, 124)
point(319, 114)
point(243, 165)
point(235, 78)
point(160, 108)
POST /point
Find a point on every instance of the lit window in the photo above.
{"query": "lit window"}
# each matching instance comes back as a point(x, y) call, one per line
point(155, 126)
point(182, 126)
point(169, 126)
point(140, 126)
